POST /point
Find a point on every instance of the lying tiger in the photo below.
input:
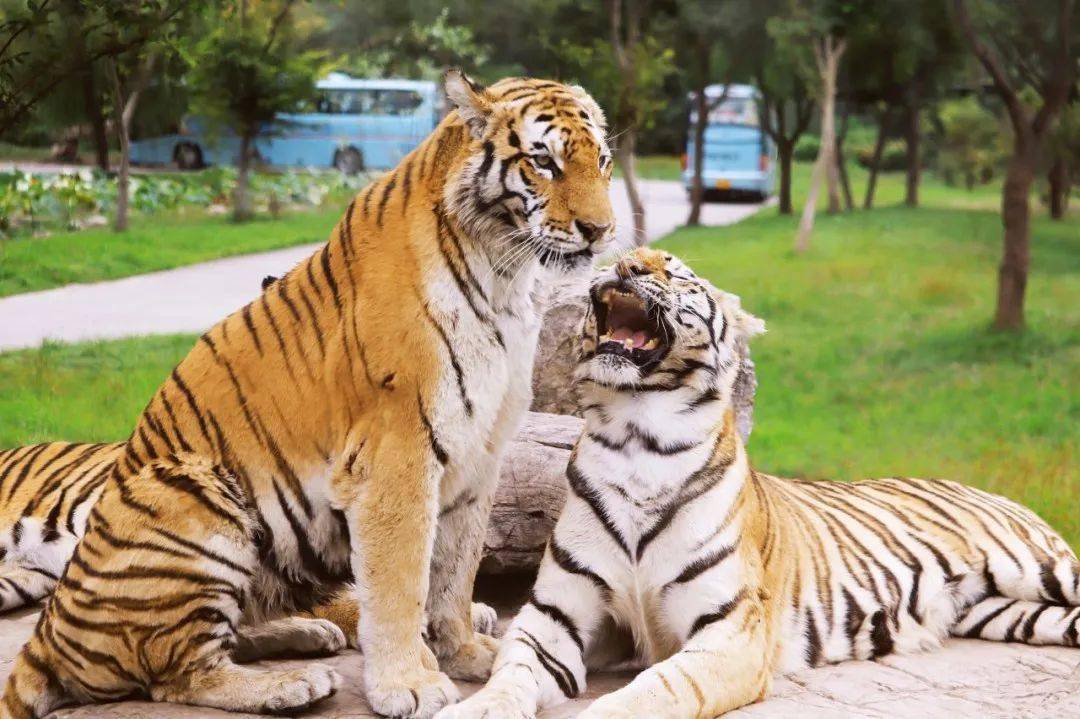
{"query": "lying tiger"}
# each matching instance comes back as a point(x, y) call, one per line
point(672, 552)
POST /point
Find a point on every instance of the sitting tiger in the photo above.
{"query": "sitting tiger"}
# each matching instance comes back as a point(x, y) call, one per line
point(347, 425)
point(671, 551)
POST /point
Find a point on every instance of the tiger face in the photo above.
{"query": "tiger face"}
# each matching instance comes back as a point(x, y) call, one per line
point(654, 324)
point(536, 182)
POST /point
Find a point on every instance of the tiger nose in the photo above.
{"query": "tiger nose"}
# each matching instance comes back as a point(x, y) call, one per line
point(590, 231)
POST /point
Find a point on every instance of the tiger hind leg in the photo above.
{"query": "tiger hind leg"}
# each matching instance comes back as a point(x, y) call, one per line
point(21, 587)
point(32, 690)
point(1001, 619)
point(244, 689)
point(289, 636)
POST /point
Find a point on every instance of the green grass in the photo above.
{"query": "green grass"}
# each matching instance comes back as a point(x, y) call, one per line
point(656, 167)
point(152, 243)
point(88, 392)
point(22, 153)
point(879, 359)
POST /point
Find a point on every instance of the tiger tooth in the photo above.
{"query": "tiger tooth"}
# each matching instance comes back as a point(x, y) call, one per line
point(605, 337)
point(651, 344)
point(628, 343)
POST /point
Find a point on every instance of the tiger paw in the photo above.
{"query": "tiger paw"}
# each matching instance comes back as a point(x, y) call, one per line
point(414, 694)
point(600, 709)
point(487, 704)
point(484, 619)
point(299, 689)
point(472, 661)
point(319, 637)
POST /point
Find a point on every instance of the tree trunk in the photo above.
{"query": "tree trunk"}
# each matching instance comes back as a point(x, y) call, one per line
point(785, 152)
point(120, 224)
point(827, 55)
point(1016, 254)
point(875, 163)
point(697, 188)
point(832, 176)
point(624, 155)
point(241, 202)
point(841, 163)
point(1058, 178)
point(913, 136)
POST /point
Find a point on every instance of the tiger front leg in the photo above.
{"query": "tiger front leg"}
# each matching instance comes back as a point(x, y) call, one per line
point(464, 651)
point(723, 666)
point(390, 496)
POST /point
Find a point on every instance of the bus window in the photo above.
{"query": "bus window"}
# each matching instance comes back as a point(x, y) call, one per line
point(369, 102)
point(733, 111)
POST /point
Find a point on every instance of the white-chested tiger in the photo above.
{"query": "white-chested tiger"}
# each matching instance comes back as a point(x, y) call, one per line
point(347, 424)
point(672, 553)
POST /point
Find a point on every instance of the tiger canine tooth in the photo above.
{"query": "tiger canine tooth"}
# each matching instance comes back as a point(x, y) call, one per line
point(651, 344)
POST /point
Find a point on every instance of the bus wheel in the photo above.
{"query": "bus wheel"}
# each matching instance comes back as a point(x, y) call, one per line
point(349, 161)
point(188, 156)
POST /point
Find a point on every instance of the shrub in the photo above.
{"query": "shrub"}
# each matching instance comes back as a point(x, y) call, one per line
point(971, 145)
point(807, 148)
point(893, 156)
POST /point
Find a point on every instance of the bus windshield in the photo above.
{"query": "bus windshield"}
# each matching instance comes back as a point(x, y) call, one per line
point(733, 111)
point(368, 102)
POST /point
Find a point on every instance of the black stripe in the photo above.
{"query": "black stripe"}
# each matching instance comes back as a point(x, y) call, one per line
point(880, 636)
point(559, 617)
point(440, 453)
point(246, 314)
point(719, 615)
point(190, 397)
point(580, 486)
point(976, 629)
point(702, 564)
point(453, 360)
point(390, 185)
point(560, 673)
point(570, 565)
point(324, 261)
point(813, 640)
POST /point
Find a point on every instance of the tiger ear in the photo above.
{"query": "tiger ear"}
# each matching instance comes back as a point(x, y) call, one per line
point(747, 325)
point(591, 106)
point(472, 101)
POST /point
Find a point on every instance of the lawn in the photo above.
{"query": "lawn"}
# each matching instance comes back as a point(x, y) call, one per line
point(152, 243)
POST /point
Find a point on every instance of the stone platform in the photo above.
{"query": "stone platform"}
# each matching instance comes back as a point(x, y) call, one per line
point(965, 680)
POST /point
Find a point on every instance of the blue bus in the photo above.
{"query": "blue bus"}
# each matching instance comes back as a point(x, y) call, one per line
point(355, 125)
point(740, 159)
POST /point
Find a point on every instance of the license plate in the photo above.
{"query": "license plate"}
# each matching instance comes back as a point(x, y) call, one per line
point(723, 184)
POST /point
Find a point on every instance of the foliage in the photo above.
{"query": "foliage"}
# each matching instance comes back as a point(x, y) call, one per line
point(807, 148)
point(893, 156)
point(972, 143)
point(1064, 141)
point(36, 203)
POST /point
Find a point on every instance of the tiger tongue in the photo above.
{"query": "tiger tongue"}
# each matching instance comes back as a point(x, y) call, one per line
point(622, 334)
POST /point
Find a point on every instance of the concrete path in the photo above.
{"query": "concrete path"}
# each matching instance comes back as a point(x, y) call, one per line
point(192, 298)
point(966, 680)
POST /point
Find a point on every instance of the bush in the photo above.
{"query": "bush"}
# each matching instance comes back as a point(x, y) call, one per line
point(63, 201)
point(893, 156)
point(972, 144)
point(807, 148)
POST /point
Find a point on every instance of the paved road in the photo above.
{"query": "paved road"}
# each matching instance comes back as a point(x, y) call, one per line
point(192, 298)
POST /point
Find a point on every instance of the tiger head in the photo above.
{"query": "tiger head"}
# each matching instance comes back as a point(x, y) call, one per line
point(654, 324)
point(535, 181)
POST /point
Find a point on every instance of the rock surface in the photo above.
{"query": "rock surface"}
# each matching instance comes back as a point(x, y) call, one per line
point(966, 680)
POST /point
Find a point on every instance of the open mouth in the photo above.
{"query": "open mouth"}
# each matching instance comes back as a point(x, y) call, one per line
point(629, 326)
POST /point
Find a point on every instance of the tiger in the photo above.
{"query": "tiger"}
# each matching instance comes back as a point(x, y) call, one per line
point(674, 556)
point(347, 425)
point(51, 488)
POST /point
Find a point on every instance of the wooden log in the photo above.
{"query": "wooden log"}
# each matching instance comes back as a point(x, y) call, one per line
point(531, 493)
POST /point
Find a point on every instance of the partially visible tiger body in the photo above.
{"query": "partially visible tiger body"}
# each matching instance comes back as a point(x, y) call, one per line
point(346, 425)
point(673, 555)
point(46, 492)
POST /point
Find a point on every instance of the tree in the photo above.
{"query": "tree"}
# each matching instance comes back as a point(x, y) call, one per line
point(152, 23)
point(47, 44)
point(1064, 149)
point(1022, 46)
point(971, 142)
point(245, 72)
point(703, 24)
point(640, 64)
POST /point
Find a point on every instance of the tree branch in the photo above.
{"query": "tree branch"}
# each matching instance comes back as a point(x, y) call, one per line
point(992, 63)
